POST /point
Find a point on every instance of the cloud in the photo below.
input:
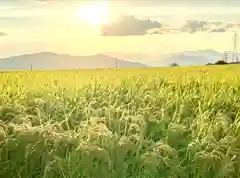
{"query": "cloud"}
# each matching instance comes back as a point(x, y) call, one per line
point(3, 34)
point(194, 26)
point(191, 26)
point(129, 26)
point(154, 32)
point(157, 31)
point(232, 25)
point(218, 30)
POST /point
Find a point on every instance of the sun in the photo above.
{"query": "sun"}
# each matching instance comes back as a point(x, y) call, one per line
point(95, 14)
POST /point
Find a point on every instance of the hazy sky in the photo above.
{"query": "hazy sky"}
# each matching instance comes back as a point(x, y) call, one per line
point(148, 27)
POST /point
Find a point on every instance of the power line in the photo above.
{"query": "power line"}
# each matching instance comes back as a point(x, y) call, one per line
point(225, 56)
point(235, 43)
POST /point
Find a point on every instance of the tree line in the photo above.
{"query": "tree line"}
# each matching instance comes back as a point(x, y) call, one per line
point(220, 62)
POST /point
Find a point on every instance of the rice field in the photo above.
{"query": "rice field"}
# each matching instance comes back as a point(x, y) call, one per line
point(124, 123)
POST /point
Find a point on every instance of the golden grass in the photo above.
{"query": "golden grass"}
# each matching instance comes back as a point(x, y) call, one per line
point(138, 123)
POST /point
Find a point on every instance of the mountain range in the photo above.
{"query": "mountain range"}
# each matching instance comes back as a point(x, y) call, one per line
point(186, 58)
point(54, 61)
point(191, 58)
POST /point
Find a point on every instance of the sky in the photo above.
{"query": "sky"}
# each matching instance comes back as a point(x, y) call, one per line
point(140, 26)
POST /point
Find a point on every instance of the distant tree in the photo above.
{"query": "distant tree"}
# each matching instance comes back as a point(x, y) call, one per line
point(174, 64)
point(221, 62)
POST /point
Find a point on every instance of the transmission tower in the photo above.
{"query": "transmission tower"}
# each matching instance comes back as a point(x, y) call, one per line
point(226, 57)
point(235, 43)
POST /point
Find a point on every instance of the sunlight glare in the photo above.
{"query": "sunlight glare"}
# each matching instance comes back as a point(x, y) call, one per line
point(95, 14)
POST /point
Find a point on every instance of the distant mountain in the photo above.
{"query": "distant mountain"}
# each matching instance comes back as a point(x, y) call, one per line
point(189, 58)
point(53, 61)
point(133, 57)
point(185, 58)
point(205, 53)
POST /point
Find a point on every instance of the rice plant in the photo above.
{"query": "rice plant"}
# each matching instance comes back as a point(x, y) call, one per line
point(124, 123)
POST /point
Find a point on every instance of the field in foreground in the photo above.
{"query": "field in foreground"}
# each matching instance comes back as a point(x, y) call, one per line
point(138, 123)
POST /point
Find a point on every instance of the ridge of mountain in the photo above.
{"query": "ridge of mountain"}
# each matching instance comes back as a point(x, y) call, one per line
point(49, 60)
point(190, 57)
point(52, 61)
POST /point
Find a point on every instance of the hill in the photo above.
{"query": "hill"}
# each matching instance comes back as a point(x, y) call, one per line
point(189, 58)
point(53, 61)
point(185, 58)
